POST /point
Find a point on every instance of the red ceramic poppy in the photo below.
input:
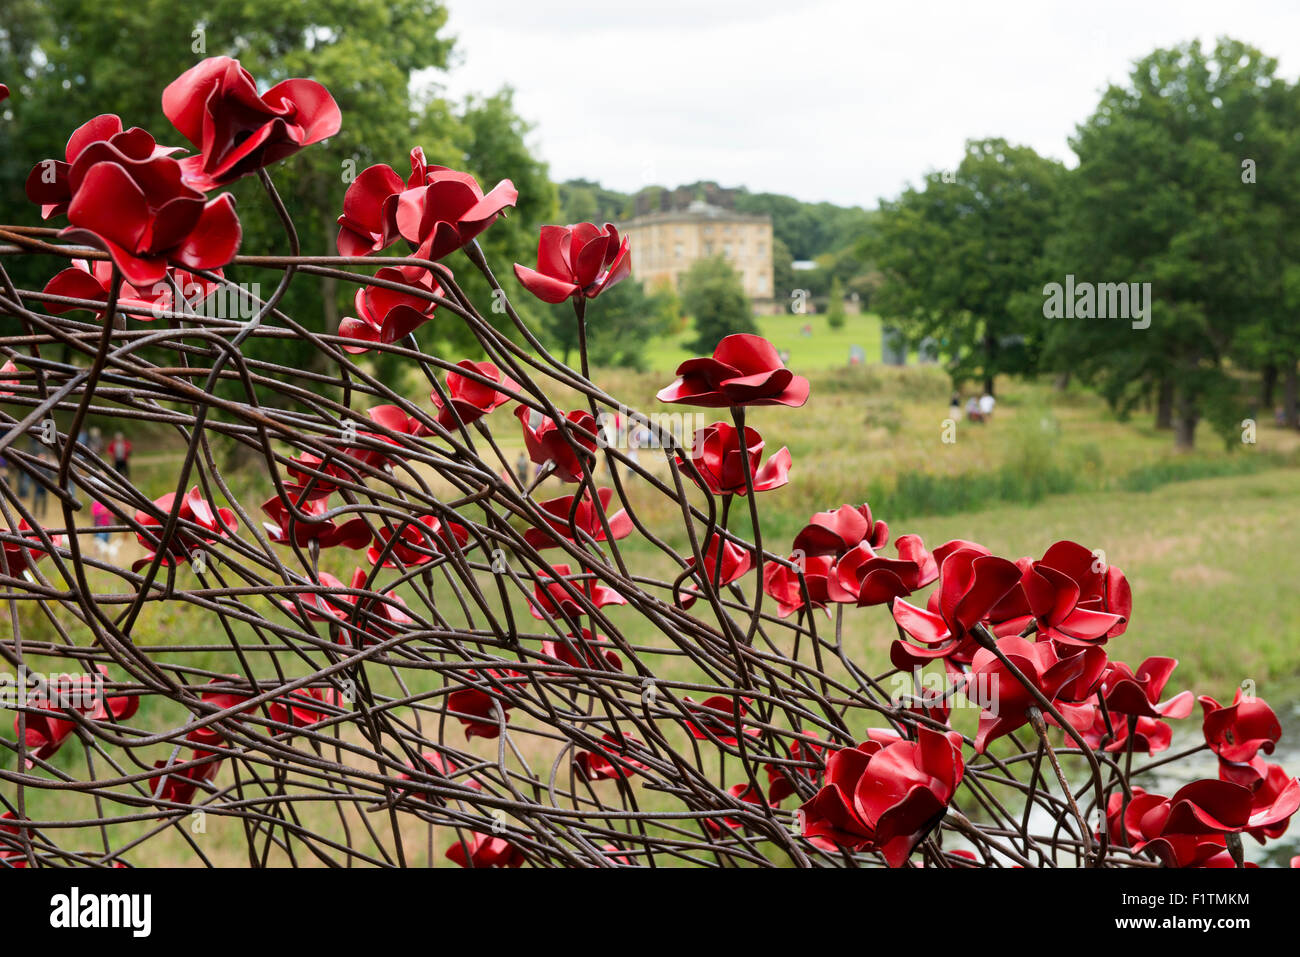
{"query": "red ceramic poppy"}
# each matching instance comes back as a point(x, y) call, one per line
point(868, 578)
point(1188, 830)
point(886, 794)
point(237, 131)
point(180, 787)
point(284, 528)
point(209, 736)
point(736, 561)
point(552, 597)
point(299, 708)
point(718, 457)
point(1242, 729)
point(590, 652)
point(469, 398)
point(91, 281)
point(419, 540)
point(1129, 693)
point(744, 792)
point(324, 474)
point(11, 842)
point(837, 531)
point(602, 763)
point(1049, 673)
point(720, 719)
point(970, 585)
point(383, 315)
point(1149, 736)
point(782, 583)
point(132, 201)
point(744, 370)
point(548, 443)
point(581, 260)
point(20, 557)
point(477, 709)
point(586, 519)
point(1269, 786)
point(1073, 598)
point(443, 767)
point(437, 210)
point(484, 850)
point(377, 620)
point(6, 369)
point(48, 183)
point(198, 524)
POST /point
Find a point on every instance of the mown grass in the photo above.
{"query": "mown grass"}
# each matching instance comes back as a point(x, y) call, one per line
point(825, 348)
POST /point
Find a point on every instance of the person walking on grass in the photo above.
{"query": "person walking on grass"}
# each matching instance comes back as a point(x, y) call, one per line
point(987, 402)
point(119, 450)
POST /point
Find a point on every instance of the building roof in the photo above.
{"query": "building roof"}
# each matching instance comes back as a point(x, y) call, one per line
point(697, 212)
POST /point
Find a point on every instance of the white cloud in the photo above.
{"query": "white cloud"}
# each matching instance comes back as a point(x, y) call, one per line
point(841, 100)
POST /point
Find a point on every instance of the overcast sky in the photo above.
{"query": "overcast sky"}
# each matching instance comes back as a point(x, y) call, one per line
point(840, 100)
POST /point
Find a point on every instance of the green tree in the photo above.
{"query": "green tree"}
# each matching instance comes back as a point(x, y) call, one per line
point(619, 324)
point(954, 253)
point(712, 295)
point(835, 315)
point(1158, 197)
point(69, 60)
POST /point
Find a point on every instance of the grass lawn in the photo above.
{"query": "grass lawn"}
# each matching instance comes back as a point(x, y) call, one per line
point(826, 348)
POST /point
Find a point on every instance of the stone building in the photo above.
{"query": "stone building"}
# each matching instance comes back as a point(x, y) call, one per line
point(666, 242)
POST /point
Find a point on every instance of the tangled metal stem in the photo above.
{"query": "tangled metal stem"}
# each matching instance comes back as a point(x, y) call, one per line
point(381, 763)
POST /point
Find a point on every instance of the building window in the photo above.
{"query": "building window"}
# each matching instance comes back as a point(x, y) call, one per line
point(708, 249)
point(678, 251)
point(726, 250)
point(761, 285)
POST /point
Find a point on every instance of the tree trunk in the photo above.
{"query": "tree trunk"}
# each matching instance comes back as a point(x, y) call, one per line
point(990, 350)
point(1267, 387)
point(1165, 404)
point(1290, 418)
point(1185, 424)
point(1062, 381)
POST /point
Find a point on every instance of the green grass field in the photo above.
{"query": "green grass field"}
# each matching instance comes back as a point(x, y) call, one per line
point(826, 348)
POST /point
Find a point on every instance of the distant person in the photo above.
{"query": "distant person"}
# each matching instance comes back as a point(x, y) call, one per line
point(954, 407)
point(987, 402)
point(96, 442)
point(521, 469)
point(973, 410)
point(784, 356)
point(633, 444)
point(103, 518)
point(119, 450)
